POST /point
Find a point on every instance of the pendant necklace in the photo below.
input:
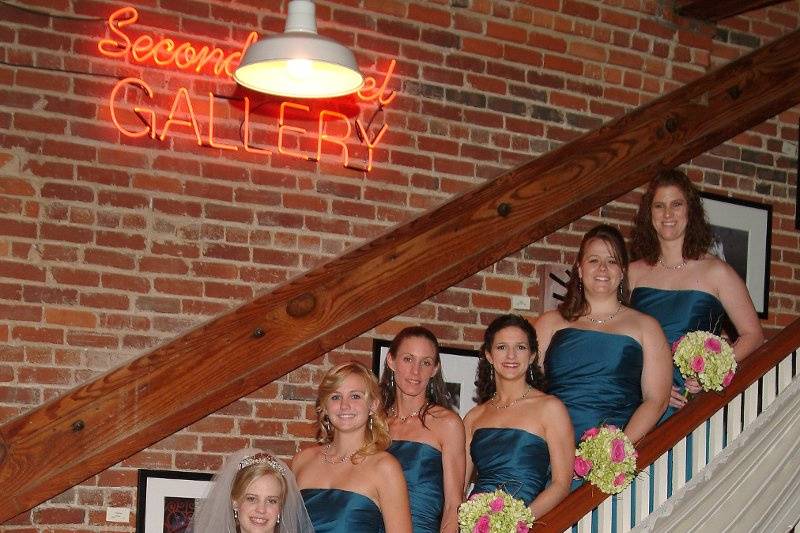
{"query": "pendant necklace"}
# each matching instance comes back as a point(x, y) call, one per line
point(402, 419)
point(601, 321)
point(498, 405)
point(673, 267)
point(329, 459)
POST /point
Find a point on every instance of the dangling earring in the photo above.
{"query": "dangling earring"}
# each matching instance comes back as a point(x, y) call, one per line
point(236, 514)
point(278, 521)
point(326, 423)
point(391, 380)
point(492, 372)
point(580, 285)
point(620, 291)
point(369, 422)
point(530, 372)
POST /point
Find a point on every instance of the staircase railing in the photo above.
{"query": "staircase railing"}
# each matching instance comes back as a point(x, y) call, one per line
point(62, 443)
point(708, 423)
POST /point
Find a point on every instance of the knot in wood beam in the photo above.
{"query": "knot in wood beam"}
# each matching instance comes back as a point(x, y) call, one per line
point(301, 305)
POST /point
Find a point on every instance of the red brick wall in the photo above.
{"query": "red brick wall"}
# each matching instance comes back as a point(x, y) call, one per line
point(111, 245)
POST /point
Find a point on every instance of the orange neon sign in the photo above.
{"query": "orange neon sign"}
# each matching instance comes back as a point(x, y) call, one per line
point(165, 52)
point(333, 128)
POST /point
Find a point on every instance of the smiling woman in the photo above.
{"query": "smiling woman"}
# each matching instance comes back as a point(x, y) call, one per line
point(348, 481)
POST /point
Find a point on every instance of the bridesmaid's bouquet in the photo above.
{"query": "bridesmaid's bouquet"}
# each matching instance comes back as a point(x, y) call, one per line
point(705, 357)
point(494, 512)
point(606, 458)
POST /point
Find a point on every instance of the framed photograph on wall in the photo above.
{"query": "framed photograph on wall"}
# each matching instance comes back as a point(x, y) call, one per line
point(458, 368)
point(742, 238)
point(166, 499)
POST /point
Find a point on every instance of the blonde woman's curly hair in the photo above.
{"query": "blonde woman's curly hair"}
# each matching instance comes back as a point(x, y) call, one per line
point(376, 436)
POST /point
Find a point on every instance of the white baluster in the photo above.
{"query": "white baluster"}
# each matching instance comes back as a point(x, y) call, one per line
point(585, 523)
point(734, 418)
point(624, 507)
point(698, 449)
point(642, 499)
point(750, 404)
point(784, 373)
point(679, 465)
point(715, 434)
point(659, 481)
point(604, 524)
point(768, 392)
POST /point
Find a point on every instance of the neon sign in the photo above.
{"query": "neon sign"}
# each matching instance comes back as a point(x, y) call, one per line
point(187, 56)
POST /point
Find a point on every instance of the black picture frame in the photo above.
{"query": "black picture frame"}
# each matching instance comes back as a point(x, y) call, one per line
point(743, 238)
point(459, 367)
point(165, 499)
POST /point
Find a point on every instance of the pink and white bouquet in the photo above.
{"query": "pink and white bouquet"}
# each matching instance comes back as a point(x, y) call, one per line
point(606, 458)
point(705, 357)
point(494, 512)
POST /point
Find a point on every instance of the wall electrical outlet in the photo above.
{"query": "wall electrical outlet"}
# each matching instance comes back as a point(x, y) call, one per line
point(521, 303)
point(118, 514)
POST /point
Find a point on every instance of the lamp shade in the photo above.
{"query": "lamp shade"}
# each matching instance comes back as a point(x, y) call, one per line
point(299, 62)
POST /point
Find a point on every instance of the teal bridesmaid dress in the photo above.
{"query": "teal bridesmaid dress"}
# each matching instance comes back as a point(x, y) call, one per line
point(679, 312)
point(510, 459)
point(596, 375)
point(341, 511)
point(422, 467)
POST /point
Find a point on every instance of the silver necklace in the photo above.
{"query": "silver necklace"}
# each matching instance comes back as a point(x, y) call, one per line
point(498, 405)
point(329, 459)
point(674, 267)
point(402, 419)
point(602, 321)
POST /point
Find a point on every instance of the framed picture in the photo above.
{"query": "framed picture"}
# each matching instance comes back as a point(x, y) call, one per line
point(554, 287)
point(742, 235)
point(166, 499)
point(797, 180)
point(459, 368)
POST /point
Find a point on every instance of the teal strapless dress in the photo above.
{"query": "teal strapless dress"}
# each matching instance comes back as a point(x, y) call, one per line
point(510, 459)
point(679, 312)
point(422, 467)
point(341, 511)
point(596, 375)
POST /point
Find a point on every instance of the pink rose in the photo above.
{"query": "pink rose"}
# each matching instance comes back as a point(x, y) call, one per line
point(482, 525)
point(698, 364)
point(582, 466)
point(590, 433)
point(475, 496)
point(713, 345)
point(497, 504)
point(619, 480)
point(522, 527)
point(676, 344)
point(611, 427)
point(728, 378)
point(617, 450)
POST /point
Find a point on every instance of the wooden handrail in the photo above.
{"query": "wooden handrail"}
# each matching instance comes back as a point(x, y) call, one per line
point(714, 10)
point(665, 436)
point(63, 442)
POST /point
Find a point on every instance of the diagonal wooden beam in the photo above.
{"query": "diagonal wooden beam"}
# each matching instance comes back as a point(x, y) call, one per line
point(63, 442)
point(715, 10)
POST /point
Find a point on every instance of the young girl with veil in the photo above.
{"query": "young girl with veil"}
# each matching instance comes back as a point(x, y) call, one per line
point(255, 492)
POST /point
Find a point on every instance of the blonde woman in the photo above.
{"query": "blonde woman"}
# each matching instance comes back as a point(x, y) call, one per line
point(349, 483)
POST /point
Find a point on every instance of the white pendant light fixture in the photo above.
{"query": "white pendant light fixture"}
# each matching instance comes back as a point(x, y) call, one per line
point(299, 62)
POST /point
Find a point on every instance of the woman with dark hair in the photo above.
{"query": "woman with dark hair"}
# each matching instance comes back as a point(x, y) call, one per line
point(427, 436)
point(608, 363)
point(349, 483)
point(517, 435)
point(677, 281)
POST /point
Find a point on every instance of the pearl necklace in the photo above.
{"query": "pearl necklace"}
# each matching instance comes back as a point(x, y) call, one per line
point(402, 419)
point(498, 405)
point(329, 459)
point(674, 267)
point(601, 321)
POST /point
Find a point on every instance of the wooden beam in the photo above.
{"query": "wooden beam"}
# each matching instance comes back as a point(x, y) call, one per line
point(715, 10)
point(657, 442)
point(65, 441)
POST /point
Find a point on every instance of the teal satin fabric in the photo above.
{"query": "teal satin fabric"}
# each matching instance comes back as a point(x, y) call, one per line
point(341, 511)
point(679, 312)
point(422, 467)
point(510, 459)
point(596, 374)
